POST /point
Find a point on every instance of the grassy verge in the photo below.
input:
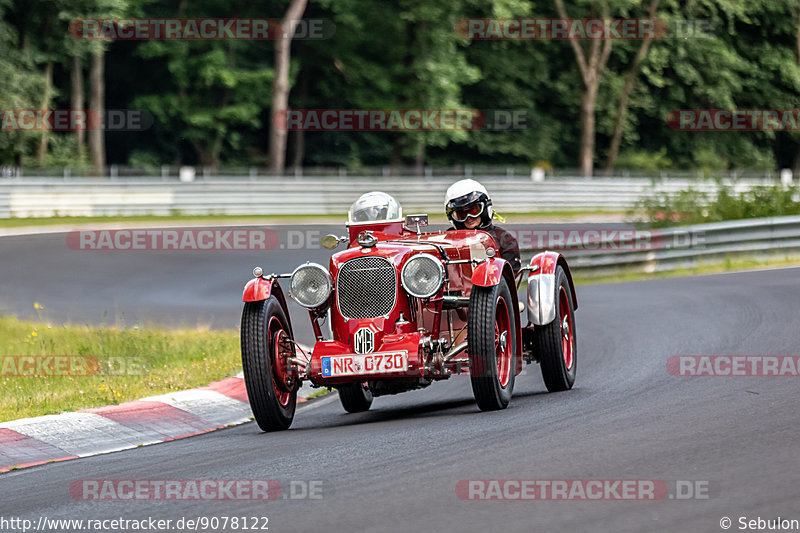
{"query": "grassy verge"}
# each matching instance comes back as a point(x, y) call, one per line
point(435, 218)
point(318, 393)
point(732, 265)
point(109, 365)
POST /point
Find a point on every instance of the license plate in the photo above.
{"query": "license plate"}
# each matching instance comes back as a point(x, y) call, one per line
point(360, 364)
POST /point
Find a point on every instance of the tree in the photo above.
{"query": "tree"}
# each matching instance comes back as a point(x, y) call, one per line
point(280, 84)
point(97, 146)
point(591, 62)
point(207, 92)
point(630, 79)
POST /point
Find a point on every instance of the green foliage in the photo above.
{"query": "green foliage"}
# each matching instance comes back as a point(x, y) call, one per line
point(643, 160)
point(211, 99)
point(693, 206)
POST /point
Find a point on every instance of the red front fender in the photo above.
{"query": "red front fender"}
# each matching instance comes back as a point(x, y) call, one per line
point(260, 289)
point(488, 273)
point(257, 289)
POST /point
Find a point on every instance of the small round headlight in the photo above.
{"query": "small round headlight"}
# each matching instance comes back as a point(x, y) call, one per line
point(422, 276)
point(311, 285)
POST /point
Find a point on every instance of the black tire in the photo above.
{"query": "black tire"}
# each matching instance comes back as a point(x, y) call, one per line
point(490, 393)
point(355, 398)
point(548, 340)
point(258, 363)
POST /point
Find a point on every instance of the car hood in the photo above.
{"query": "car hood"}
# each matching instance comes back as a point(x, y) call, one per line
point(453, 245)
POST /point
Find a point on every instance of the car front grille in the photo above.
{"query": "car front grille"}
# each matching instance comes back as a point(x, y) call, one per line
point(366, 287)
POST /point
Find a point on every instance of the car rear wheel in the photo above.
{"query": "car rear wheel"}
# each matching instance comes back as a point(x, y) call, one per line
point(555, 343)
point(355, 397)
point(492, 345)
point(267, 347)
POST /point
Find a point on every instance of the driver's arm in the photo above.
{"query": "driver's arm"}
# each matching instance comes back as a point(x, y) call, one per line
point(509, 248)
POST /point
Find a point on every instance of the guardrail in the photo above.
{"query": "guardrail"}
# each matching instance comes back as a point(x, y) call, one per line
point(649, 251)
point(326, 195)
point(683, 247)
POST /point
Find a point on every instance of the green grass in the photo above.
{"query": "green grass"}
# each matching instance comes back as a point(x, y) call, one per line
point(435, 218)
point(132, 364)
point(319, 392)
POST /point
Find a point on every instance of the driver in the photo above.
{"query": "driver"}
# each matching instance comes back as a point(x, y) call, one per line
point(468, 206)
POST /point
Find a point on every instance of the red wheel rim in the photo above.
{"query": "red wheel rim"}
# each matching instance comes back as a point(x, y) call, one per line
point(502, 342)
point(565, 319)
point(281, 369)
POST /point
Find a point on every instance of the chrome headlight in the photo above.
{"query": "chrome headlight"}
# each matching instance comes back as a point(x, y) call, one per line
point(422, 275)
point(311, 285)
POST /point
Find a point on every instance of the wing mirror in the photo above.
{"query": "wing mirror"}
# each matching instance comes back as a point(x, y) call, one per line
point(329, 242)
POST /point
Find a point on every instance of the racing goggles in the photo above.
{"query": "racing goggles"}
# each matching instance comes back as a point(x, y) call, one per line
point(461, 214)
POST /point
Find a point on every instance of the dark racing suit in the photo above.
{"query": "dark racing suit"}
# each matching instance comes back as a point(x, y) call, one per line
point(509, 249)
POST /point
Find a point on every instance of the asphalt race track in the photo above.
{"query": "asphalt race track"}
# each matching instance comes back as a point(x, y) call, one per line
point(395, 468)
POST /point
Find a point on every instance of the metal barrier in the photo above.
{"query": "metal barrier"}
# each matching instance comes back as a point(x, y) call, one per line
point(685, 247)
point(5, 207)
point(329, 195)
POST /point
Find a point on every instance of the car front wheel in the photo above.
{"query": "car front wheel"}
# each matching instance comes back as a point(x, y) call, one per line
point(267, 348)
point(492, 345)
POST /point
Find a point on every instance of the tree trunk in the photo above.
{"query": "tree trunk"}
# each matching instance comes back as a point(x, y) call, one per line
point(622, 108)
point(591, 64)
point(586, 156)
point(299, 151)
point(76, 99)
point(97, 146)
point(396, 157)
point(280, 87)
point(419, 159)
point(41, 152)
point(299, 144)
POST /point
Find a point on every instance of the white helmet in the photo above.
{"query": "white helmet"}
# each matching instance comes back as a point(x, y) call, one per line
point(468, 199)
point(373, 207)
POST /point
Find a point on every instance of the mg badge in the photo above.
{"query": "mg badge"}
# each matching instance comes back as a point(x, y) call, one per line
point(364, 340)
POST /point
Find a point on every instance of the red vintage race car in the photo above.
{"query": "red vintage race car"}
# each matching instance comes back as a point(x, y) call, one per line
point(406, 308)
